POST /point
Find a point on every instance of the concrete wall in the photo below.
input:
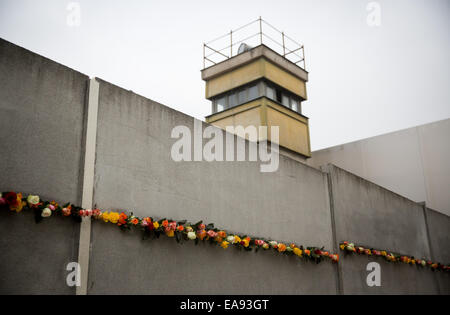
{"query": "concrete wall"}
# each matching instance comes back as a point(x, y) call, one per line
point(42, 107)
point(134, 170)
point(41, 134)
point(411, 162)
point(373, 216)
point(439, 238)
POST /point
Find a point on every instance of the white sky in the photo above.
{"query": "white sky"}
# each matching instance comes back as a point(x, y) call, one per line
point(364, 80)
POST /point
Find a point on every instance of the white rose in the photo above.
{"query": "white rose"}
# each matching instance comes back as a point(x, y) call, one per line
point(423, 263)
point(46, 213)
point(230, 239)
point(33, 200)
point(191, 235)
point(273, 243)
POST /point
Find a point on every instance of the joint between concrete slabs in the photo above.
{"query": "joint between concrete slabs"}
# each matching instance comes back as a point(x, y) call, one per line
point(432, 257)
point(88, 183)
point(339, 283)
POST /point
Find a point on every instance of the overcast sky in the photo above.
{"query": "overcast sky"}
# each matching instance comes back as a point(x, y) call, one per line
point(365, 79)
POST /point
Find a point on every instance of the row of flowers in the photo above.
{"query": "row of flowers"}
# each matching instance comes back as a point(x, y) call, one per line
point(180, 230)
point(392, 257)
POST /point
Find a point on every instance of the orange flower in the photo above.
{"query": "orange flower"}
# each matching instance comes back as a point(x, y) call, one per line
point(180, 228)
point(122, 218)
point(165, 223)
point(218, 239)
point(66, 211)
point(335, 258)
point(307, 252)
point(135, 221)
point(281, 247)
point(201, 234)
point(292, 245)
point(222, 234)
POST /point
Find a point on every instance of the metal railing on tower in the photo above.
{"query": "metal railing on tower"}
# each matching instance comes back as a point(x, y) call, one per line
point(257, 32)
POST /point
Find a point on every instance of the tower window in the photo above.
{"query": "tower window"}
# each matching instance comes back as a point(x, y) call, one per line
point(294, 105)
point(278, 95)
point(221, 104)
point(270, 93)
point(242, 96)
point(232, 100)
point(285, 100)
point(253, 92)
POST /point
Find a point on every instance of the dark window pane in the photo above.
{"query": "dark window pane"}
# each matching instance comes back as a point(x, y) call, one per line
point(253, 92)
point(221, 104)
point(278, 96)
point(294, 104)
point(242, 96)
point(270, 93)
point(285, 100)
point(232, 100)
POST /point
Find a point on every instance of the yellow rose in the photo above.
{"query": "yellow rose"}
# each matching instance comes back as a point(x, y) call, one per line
point(105, 216)
point(298, 252)
point(237, 239)
point(114, 217)
point(170, 233)
point(342, 246)
point(155, 224)
point(224, 244)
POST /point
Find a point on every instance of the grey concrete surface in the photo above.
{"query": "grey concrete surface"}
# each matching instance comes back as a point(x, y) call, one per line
point(42, 113)
point(41, 125)
point(396, 278)
point(34, 256)
point(41, 130)
point(439, 235)
point(135, 172)
point(372, 216)
point(412, 162)
point(123, 263)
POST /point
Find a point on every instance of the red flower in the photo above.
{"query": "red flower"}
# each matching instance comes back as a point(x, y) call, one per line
point(11, 199)
point(123, 219)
